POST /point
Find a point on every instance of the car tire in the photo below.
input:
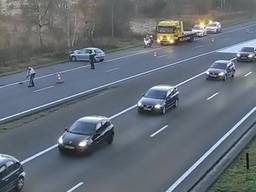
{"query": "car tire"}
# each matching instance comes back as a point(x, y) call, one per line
point(163, 110)
point(73, 58)
point(224, 78)
point(233, 75)
point(101, 60)
point(110, 139)
point(20, 184)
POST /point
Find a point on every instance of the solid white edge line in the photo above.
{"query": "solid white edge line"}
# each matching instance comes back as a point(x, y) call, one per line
point(75, 187)
point(212, 96)
point(38, 90)
point(158, 131)
point(39, 154)
point(247, 74)
point(205, 155)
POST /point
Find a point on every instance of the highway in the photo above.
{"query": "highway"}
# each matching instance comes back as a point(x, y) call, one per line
point(150, 152)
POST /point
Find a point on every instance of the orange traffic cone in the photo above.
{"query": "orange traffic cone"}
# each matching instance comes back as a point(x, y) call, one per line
point(155, 54)
point(59, 78)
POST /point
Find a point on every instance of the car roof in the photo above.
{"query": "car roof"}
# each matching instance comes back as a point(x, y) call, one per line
point(92, 119)
point(249, 47)
point(162, 87)
point(4, 158)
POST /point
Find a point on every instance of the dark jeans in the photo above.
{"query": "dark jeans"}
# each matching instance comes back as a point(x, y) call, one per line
point(31, 80)
point(92, 64)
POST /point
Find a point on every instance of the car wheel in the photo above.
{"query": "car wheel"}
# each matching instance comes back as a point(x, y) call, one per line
point(101, 60)
point(233, 75)
point(110, 139)
point(176, 103)
point(73, 58)
point(163, 110)
point(139, 110)
point(20, 184)
point(225, 78)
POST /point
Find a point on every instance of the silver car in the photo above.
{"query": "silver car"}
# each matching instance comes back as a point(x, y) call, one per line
point(83, 54)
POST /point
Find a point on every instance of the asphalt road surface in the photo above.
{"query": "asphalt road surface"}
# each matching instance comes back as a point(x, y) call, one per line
point(150, 152)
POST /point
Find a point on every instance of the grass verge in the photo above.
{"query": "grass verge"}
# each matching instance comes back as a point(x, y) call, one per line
point(237, 178)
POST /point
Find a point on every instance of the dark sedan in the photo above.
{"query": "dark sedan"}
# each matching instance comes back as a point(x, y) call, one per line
point(86, 133)
point(246, 54)
point(159, 99)
point(221, 69)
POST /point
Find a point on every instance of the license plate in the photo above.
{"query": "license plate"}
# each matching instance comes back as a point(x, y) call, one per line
point(244, 57)
point(147, 109)
point(69, 147)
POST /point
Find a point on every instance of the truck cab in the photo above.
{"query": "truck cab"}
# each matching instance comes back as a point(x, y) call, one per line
point(171, 32)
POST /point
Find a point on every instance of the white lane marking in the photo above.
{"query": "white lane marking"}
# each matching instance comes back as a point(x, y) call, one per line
point(205, 155)
point(247, 74)
point(75, 187)
point(199, 46)
point(212, 96)
point(111, 70)
point(38, 90)
point(162, 56)
point(76, 68)
point(39, 154)
point(111, 118)
point(160, 130)
point(109, 84)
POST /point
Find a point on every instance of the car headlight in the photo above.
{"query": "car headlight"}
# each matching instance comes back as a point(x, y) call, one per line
point(158, 106)
point(171, 41)
point(158, 40)
point(83, 143)
point(60, 140)
point(221, 74)
point(139, 104)
point(250, 56)
point(207, 73)
point(238, 55)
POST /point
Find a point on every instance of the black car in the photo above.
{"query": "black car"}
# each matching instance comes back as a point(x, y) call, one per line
point(12, 175)
point(246, 54)
point(221, 69)
point(159, 99)
point(86, 133)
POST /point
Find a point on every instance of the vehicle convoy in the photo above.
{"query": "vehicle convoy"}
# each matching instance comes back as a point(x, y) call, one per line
point(83, 54)
point(86, 133)
point(246, 54)
point(159, 99)
point(221, 69)
point(12, 175)
point(172, 31)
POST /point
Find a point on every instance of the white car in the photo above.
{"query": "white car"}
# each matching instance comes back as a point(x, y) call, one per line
point(200, 30)
point(83, 54)
point(213, 27)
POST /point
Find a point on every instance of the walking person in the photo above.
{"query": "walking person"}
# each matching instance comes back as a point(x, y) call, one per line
point(92, 59)
point(31, 75)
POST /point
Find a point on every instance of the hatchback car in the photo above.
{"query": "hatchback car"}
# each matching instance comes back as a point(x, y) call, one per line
point(214, 27)
point(159, 99)
point(246, 54)
point(86, 133)
point(221, 69)
point(83, 54)
point(12, 175)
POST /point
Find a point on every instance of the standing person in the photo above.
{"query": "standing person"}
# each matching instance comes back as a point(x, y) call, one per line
point(92, 59)
point(31, 74)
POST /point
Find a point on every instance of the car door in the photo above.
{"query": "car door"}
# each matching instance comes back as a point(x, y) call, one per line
point(3, 179)
point(98, 133)
point(79, 55)
point(168, 99)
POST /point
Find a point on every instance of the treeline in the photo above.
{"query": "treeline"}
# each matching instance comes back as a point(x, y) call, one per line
point(32, 27)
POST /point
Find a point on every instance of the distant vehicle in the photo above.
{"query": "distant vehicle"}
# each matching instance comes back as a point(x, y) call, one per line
point(221, 69)
point(159, 99)
point(246, 54)
point(83, 54)
point(214, 27)
point(171, 32)
point(86, 133)
point(12, 175)
point(200, 30)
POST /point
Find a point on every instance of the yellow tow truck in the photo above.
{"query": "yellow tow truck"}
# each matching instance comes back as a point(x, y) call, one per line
point(172, 32)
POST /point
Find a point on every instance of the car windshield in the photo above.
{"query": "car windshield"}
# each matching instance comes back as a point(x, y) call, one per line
point(219, 65)
point(82, 128)
point(212, 25)
point(247, 49)
point(161, 29)
point(197, 27)
point(155, 94)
